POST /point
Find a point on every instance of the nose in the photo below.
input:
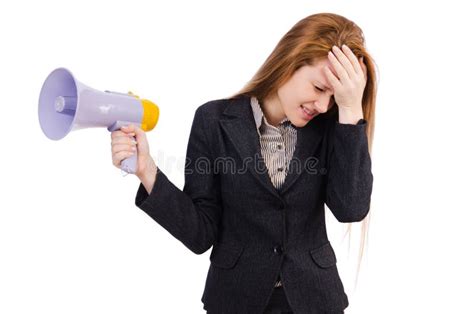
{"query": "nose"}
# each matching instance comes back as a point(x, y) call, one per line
point(321, 107)
point(324, 103)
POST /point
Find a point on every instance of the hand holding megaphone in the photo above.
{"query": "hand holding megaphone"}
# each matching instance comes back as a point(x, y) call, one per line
point(128, 141)
point(65, 104)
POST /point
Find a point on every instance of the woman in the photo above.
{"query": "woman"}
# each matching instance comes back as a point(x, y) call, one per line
point(261, 165)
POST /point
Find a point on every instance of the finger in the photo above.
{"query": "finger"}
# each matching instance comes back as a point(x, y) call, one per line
point(119, 157)
point(123, 147)
point(136, 130)
point(353, 59)
point(139, 133)
point(122, 135)
point(118, 133)
point(332, 79)
point(124, 140)
point(128, 128)
point(347, 58)
point(118, 146)
point(343, 66)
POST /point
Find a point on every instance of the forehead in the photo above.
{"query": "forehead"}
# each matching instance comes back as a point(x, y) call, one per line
point(316, 70)
point(319, 64)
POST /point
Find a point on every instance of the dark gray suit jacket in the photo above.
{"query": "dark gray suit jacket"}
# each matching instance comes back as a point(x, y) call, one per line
point(257, 232)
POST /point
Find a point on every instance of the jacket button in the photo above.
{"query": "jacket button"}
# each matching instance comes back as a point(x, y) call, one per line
point(282, 205)
point(277, 249)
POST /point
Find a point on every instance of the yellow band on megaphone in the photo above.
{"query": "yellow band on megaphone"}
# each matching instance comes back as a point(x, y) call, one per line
point(151, 113)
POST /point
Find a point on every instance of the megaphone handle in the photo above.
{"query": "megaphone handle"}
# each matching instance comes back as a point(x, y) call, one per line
point(129, 164)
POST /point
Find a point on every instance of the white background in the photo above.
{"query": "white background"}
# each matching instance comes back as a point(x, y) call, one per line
point(71, 238)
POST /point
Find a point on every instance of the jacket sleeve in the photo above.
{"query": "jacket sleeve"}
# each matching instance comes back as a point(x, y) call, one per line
point(349, 181)
point(192, 215)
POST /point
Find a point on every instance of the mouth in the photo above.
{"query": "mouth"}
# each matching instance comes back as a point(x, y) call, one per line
point(308, 114)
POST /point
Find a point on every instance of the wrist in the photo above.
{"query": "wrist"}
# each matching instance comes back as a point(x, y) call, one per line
point(350, 116)
point(149, 170)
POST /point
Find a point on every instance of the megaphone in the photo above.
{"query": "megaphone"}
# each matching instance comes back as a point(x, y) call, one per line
point(65, 105)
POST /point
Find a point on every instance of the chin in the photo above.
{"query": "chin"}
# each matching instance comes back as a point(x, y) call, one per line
point(299, 123)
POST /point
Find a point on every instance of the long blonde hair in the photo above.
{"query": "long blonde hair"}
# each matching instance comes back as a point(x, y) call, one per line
point(311, 39)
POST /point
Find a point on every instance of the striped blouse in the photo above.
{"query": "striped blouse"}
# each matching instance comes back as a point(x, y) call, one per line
point(278, 145)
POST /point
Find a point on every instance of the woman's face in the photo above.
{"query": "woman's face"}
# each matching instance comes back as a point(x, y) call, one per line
point(307, 93)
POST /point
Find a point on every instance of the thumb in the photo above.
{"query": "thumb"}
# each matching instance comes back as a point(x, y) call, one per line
point(136, 130)
point(140, 137)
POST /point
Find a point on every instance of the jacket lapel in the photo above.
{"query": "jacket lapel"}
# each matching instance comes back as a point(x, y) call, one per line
point(239, 125)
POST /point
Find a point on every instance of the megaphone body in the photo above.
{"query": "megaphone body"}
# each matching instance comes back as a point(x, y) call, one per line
point(66, 105)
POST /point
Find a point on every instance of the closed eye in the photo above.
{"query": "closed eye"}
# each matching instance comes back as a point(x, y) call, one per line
point(319, 89)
